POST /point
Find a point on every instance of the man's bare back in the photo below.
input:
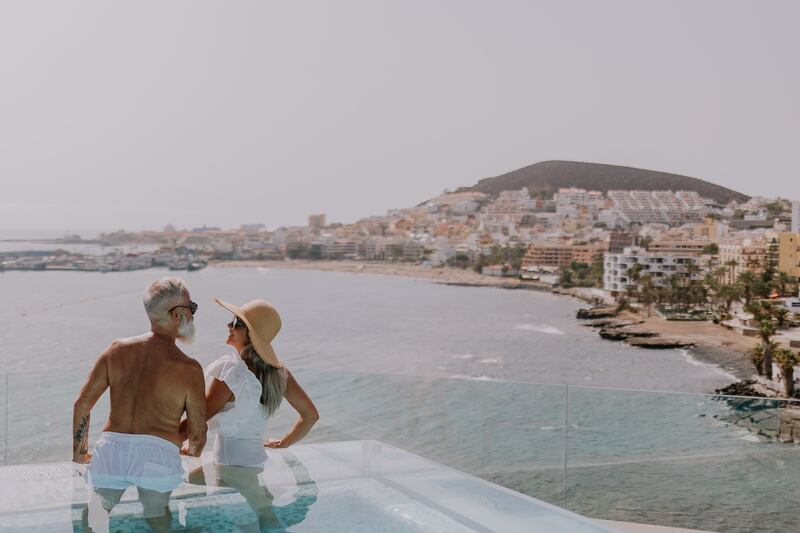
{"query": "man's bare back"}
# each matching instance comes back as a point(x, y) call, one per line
point(151, 382)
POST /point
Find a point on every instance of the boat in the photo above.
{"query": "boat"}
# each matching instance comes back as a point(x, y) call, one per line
point(196, 265)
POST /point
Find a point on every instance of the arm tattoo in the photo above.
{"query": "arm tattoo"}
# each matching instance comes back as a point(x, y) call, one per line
point(81, 433)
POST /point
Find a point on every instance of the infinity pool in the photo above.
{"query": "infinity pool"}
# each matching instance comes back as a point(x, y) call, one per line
point(348, 486)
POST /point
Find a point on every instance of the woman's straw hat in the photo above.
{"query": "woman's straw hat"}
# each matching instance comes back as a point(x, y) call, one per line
point(263, 324)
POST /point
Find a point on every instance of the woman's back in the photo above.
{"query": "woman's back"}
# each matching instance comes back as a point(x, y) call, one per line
point(241, 423)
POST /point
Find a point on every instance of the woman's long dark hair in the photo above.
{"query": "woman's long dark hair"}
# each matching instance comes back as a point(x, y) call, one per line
point(273, 379)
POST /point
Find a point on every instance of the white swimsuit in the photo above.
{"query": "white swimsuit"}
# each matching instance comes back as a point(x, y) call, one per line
point(241, 424)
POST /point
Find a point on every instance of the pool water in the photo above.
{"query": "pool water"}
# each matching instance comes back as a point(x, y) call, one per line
point(348, 486)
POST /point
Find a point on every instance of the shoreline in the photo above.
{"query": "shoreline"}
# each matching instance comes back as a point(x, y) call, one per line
point(713, 344)
point(443, 275)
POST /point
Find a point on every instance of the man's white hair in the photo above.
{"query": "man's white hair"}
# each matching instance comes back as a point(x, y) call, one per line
point(162, 295)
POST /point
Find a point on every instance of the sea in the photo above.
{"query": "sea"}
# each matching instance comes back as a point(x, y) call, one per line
point(506, 385)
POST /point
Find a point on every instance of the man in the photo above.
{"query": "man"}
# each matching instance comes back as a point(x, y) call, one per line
point(152, 384)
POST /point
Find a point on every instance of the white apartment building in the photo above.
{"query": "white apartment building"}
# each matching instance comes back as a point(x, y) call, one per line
point(660, 266)
point(572, 202)
point(666, 207)
point(512, 204)
point(748, 255)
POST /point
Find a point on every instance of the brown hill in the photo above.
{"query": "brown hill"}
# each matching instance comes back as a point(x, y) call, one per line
point(549, 176)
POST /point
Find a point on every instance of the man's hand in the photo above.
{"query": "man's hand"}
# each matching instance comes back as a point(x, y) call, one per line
point(274, 443)
point(82, 459)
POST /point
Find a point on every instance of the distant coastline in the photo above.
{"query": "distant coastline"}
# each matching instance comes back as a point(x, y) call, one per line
point(446, 275)
point(713, 344)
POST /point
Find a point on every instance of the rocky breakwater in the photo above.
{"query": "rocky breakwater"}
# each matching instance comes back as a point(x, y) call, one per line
point(603, 317)
point(625, 333)
point(598, 311)
point(761, 414)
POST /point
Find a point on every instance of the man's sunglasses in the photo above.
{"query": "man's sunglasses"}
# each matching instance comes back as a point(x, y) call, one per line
point(192, 307)
point(238, 323)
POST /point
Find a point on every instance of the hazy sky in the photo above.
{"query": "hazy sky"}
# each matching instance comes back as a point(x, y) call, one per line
point(141, 113)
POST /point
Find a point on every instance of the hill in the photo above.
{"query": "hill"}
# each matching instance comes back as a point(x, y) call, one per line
point(549, 176)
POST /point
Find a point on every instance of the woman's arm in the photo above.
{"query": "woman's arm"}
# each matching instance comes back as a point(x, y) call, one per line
point(298, 399)
point(217, 396)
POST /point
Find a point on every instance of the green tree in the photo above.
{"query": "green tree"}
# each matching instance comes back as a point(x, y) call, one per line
point(634, 274)
point(731, 264)
point(648, 292)
point(770, 269)
point(783, 282)
point(757, 356)
point(766, 329)
point(565, 277)
point(459, 260)
point(749, 283)
point(763, 313)
point(787, 359)
point(775, 209)
point(729, 294)
point(711, 249)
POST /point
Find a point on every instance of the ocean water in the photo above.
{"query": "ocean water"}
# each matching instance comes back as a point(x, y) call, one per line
point(339, 321)
point(506, 385)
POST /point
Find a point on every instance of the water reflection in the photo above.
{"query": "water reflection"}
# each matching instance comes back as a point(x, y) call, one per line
point(250, 483)
point(217, 508)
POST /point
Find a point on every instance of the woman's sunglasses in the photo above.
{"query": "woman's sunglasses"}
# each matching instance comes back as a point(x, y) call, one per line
point(238, 323)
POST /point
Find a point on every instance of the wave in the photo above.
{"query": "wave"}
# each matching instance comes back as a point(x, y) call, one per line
point(540, 328)
point(463, 356)
point(473, 378)
point(716, 368)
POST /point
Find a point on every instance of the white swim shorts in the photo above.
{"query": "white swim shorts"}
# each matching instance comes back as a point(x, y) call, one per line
point(123, 459)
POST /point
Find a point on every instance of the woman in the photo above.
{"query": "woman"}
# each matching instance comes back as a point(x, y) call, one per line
point(242, 390)
point(245, 388)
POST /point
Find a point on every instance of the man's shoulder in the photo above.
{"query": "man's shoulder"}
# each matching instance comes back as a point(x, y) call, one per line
point(182, 359)
point(125, 344)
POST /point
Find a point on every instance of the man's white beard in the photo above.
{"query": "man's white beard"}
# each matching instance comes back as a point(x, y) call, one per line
point(186, 330)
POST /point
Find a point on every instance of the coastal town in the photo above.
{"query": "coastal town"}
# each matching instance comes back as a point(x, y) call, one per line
point(675, 254)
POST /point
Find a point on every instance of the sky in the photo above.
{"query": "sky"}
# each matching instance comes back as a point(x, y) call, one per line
point(137, 114)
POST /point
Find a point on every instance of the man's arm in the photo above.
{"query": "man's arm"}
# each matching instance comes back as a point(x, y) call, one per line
point(95, 386)
point(196, 411)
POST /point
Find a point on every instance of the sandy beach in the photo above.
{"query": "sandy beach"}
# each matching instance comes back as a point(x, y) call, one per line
point(447, 275)
point(714, 344)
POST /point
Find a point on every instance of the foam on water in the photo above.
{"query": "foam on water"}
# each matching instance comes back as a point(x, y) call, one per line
point(716, 368)
point(540, 328)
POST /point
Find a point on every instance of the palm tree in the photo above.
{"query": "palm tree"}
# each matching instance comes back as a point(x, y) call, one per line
point(675, 288)
point(757, 356)
point(748, 281)
point(730, 294)
point(648, 292)
point(787, 359)
point(633, 280)
point(766, 329)
point(781, 315)
point(731, 264)
point(782, 282)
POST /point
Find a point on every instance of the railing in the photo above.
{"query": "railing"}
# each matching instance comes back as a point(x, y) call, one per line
point(682, 460)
